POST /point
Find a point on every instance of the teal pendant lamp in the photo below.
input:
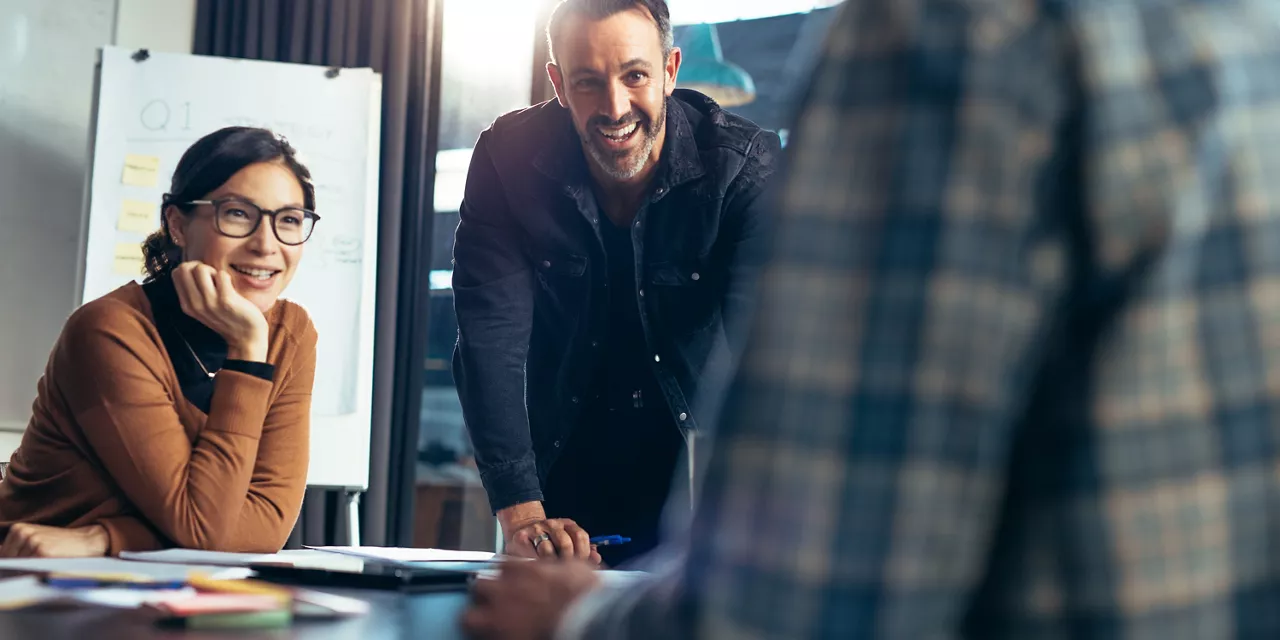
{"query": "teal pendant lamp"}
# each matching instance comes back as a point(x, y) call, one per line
point(704, 68)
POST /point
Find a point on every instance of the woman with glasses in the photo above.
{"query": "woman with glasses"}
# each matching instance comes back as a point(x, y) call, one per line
point(176, 412)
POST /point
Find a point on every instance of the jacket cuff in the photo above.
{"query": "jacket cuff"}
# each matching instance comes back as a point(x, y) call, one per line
point(512, 484)
point(130, 533)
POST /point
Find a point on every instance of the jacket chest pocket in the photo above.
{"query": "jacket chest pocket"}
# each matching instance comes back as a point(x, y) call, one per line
point(685, 298)
point(561, 276)
point(570, 266)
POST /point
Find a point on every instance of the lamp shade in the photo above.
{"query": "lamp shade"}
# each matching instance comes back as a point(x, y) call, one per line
point(704, 68)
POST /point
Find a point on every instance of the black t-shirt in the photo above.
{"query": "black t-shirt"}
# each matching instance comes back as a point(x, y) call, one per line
point(616, 469)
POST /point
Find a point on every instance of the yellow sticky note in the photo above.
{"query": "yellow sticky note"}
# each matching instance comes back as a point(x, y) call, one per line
point(141, 171)
point(138, 216)
point(127, 260)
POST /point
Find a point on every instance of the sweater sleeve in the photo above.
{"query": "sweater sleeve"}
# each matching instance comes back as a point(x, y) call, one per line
point(274, 499)
point(131, 533)
point(280, 473)
point(191, 492)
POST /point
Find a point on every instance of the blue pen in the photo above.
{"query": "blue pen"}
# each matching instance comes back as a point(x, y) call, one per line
point(606, 541)
point(94, 583)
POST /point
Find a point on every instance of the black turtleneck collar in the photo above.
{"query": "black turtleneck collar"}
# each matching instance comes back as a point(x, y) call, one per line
point(190, 344)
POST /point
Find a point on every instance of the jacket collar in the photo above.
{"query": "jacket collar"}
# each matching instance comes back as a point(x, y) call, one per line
point(562, 158)
point(564, 161)
point(681, 161)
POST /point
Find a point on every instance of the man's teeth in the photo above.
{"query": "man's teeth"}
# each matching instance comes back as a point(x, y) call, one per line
point(261, 274)
point(619, 134)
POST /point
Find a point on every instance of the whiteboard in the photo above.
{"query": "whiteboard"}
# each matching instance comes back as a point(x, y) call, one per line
point(152, 109)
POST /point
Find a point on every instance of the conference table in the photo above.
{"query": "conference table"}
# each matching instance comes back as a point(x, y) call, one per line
point(391, 615)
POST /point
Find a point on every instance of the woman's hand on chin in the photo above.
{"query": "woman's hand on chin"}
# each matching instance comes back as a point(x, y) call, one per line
point(209, 296)
point(40, 541)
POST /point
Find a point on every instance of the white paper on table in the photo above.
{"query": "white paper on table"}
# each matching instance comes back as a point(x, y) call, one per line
point(607, 577)
point(25, 591)
point(308, 558)
point(150, 570)
point(317, 604)
point(129, 598)
point(194, 556)
point(403, 554)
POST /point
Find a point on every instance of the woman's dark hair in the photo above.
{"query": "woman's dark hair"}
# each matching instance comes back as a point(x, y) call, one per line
point(207, 165)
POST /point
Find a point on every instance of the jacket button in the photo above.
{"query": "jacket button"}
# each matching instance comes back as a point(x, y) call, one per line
point(695, 276)
point(546, 264)
point(661, 190)
point(594, 344)
point(575, 400)
point(683, 417)
point(556, 444)
point(657, 358)
point(642, 293)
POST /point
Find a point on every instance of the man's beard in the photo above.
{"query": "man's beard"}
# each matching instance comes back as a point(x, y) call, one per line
point(627, 164)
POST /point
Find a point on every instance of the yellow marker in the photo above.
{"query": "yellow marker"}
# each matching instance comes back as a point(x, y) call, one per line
point(141, 171)
point(127, 259)
point(138, 216)
point(244, 587)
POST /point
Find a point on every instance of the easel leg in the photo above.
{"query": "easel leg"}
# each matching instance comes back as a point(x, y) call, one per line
point(353, 518)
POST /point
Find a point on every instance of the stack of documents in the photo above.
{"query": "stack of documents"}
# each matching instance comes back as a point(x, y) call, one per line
point(198, 596)
point(298, 558)
point(402, 555)
point(114, 566)
point(242, 604)
point(30, 591)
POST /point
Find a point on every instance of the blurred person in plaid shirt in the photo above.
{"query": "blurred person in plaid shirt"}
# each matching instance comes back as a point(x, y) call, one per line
point(1016, 368)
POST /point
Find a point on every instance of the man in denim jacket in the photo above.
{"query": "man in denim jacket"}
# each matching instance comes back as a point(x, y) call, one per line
point(608, 245)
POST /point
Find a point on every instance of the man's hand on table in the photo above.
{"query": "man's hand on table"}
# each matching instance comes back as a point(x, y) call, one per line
point(528, 533)
point(527, 600)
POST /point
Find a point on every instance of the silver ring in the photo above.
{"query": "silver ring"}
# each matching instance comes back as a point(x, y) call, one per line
point(541, 538)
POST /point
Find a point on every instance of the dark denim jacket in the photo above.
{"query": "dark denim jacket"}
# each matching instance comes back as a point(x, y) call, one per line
point(530, 277)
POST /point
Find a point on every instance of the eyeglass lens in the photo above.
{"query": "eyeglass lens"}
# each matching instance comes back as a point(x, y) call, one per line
point(240, 219)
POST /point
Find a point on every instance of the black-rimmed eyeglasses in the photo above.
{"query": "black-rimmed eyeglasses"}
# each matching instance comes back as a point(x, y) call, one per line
point(236, 218)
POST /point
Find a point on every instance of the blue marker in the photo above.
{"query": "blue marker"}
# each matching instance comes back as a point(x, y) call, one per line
point(73, 582)
point(606, 541)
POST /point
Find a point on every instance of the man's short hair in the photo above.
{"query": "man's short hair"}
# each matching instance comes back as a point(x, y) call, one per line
point(601, 9)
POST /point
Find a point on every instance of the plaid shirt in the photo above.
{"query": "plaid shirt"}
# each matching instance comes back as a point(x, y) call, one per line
point(1016, 372)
